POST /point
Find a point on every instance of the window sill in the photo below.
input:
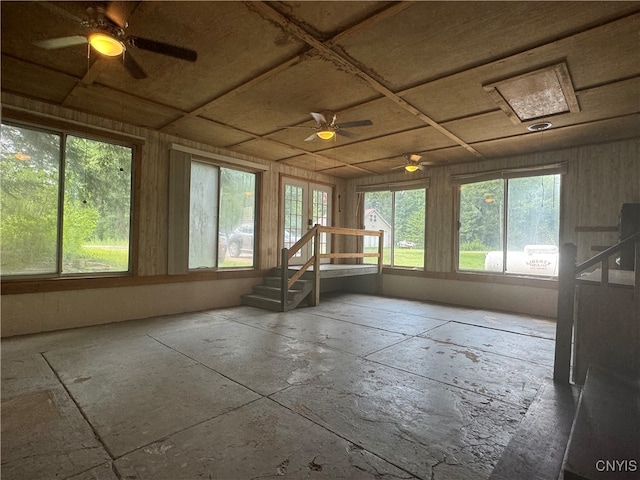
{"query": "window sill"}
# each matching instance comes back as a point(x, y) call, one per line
point(40, 285)
point(484, 277)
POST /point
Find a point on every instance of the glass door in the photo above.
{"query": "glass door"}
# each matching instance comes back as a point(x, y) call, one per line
point(304, 205)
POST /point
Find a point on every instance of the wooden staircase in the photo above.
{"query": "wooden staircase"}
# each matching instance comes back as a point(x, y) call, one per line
point(599, 438)
point(269, 294)
point(285, 291)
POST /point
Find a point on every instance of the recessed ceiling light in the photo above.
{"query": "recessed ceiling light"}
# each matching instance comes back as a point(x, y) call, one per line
point(537, 127)
point(541, 93)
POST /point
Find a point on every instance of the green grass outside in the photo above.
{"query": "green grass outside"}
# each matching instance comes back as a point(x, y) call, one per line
point(112, 258)
point(116, 258)
point(236, 262)
point(414, 257)
point(472, 260)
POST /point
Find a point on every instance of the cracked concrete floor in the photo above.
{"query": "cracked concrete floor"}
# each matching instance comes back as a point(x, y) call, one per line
point(359, 387)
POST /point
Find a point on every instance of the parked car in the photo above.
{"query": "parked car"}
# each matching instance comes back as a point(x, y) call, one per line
point(405, 244)
point(223, 244)
point(241, 240)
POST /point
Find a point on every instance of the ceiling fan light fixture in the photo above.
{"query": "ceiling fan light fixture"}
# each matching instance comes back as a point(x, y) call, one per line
point(326, 134)
point(106, 45)
point(411, 167)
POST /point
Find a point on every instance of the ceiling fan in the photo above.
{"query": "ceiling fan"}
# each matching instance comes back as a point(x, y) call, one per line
point(107, 25)
point(413, 163)
point(327, 130)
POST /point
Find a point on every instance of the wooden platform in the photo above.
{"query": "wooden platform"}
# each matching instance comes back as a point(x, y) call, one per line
point(348, 278)
point(616, 277)
point(331, 270)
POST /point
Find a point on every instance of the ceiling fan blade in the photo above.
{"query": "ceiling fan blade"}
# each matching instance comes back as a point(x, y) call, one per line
point(56, 10)
point(345, 133)
point(61, 42)
point(163, 48)
point(298, 126)
point(310, 138)
point(117, 13)
point(357, 123)
point(134, 69)
point(318, 117)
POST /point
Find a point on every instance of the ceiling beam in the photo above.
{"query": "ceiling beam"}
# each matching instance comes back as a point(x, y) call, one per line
point(385, 13)
point(271, 14)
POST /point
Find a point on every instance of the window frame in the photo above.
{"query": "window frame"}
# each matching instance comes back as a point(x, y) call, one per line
point(393, 188)
point(505, 175)
point(196, 156)
point(64, 129)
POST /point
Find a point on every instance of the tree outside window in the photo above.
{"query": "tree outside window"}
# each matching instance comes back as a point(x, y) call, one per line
point(66, 203)
point(403, 213)
point(521, 213)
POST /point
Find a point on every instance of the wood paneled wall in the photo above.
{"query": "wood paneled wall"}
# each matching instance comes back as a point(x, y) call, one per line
point(600, 179)
point(154, 183)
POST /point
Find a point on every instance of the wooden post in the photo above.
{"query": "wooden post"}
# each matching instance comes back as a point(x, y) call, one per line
point(284, 280)
point(316, 268)
point(380, 254)
point(564, 320)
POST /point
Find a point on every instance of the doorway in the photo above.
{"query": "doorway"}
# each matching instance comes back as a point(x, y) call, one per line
point(304, 204)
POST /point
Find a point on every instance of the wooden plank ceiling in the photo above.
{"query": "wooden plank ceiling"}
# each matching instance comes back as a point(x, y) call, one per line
point(415, 69)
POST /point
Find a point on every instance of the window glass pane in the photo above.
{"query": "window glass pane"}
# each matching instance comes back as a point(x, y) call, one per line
point(409, 218)
point(533, 225)
point(97, 206)
point(203, 216)
point(29, 200)
point(320, 209)
point(293, 218)
point(237, 217)
point(378, 215)
point(481, 224)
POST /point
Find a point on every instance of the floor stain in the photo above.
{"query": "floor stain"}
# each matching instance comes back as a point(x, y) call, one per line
point(316, 467)
point(470, 355)
point(281, 469)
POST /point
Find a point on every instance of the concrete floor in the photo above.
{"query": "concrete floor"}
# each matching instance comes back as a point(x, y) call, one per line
point(360, 387)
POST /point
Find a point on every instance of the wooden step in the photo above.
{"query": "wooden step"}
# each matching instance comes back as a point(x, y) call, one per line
point(274, 292)
point(276, 282)
point(605, 436)
point(260, 301)
point(536, 450)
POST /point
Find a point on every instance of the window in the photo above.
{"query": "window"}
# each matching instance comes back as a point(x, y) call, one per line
point(221, 217)
point(401, 215)
point(66, 203)
point(521, 213)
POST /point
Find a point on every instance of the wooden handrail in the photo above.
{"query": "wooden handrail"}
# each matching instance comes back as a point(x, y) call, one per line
point(302, 241)
point(315, 232)
point(568, 270)
point(605, 254)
